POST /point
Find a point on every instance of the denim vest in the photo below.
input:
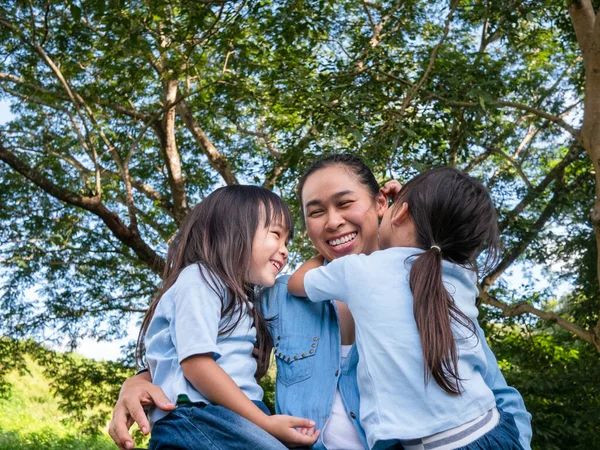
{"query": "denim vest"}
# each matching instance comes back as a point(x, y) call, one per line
point(306, 336)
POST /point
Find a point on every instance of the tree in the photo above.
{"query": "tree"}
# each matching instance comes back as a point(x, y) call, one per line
point(127, 113)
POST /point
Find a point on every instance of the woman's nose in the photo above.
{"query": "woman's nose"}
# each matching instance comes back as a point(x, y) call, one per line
point(334, 220)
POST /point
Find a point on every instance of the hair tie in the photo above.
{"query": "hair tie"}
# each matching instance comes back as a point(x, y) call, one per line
point(436, 247)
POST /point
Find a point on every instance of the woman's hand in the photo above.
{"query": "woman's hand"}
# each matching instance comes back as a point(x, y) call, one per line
point(136, 392)
point(391, 189)
point(292, 431)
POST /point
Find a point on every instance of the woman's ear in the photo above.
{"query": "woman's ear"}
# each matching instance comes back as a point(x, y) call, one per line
point(381, 203)
point(400, 214)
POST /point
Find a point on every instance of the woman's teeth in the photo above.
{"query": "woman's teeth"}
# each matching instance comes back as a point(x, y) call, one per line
point(277, 265)
point(342, 240)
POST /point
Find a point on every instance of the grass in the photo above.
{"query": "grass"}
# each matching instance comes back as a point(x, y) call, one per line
point(30, 418)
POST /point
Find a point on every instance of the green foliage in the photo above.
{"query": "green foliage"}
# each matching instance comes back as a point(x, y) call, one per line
point(83, 390)
point(268, 384)
point(31, 417)
point(558, 378)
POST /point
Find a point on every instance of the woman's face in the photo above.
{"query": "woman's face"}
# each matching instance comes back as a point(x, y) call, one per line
point(341, 215)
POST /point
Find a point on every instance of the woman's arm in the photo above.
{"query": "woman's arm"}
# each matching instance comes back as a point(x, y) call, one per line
point(136, 392)
point(507, 397)
point(296, 281)
point(218, 387)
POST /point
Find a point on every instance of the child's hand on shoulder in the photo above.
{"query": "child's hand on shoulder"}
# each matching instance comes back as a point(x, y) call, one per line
point(292, 431)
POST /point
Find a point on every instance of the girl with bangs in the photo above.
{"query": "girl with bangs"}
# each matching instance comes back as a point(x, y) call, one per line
point(200, 331)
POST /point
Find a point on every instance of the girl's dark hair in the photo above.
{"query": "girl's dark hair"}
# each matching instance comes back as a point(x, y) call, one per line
point(218, 234)
point(348, 161)
point(453, 212)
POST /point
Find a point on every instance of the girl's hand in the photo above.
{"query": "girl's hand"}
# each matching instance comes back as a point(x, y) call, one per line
point(391, 189)
point(292, 431)
point(136, 392)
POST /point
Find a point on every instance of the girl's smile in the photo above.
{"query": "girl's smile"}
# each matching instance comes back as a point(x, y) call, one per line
point(269, 254)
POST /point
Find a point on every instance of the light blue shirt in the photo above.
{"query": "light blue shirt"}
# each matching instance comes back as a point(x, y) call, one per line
point(186, 322)
point(395, 403)
point(305, 387)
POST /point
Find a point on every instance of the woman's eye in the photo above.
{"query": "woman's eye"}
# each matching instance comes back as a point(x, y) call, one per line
point(315, 213)
point(276, 233)
point(346, 203)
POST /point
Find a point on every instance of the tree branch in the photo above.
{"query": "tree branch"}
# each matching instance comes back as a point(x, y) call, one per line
point(520, 106)
point(129, 112)
point(216, 160)
point(477, 160)
point(532, 232)
point(512, 162)
point(589, 336)
point(302, 144)
point(432, 58)
point(556, 172)
point(375, 39)
point(583, 18)
point(92, 204)
point(261, 135)
point(171, 154)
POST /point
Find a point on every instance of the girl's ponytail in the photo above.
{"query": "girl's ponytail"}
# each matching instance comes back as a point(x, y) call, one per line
point(433, 309)
point(454, 220)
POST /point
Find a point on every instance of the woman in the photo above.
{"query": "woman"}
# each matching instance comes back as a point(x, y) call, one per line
point(316, 358)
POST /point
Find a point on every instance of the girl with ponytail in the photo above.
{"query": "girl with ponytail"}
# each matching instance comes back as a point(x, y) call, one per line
point(421, 365)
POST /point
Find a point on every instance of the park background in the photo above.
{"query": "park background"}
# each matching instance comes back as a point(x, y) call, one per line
point(124, 114)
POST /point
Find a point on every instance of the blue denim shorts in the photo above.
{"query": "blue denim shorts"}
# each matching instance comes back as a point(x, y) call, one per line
point(504, 436)
point(198, 426)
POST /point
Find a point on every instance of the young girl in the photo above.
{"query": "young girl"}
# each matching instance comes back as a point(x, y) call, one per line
point(414, 307)
point(200, 331)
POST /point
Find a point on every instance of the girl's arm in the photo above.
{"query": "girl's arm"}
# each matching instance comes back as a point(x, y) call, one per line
point(296, 281)
point(136, 392)
point(218, 387)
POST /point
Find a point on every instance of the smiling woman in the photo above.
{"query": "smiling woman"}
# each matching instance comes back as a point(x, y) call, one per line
point(341, 215)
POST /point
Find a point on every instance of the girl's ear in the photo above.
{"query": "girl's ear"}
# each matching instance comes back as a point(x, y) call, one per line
point(381, 203)
point(400, 215)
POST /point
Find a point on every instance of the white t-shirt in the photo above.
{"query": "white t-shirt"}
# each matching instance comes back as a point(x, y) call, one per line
point(340, 434)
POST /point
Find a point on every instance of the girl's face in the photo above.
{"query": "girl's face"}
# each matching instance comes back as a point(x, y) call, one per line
point(269, 253)
point(341, 215)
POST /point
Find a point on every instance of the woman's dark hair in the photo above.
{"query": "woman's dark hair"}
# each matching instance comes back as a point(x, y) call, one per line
point(218, 234)
point(455, 220)
point(351, 163)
